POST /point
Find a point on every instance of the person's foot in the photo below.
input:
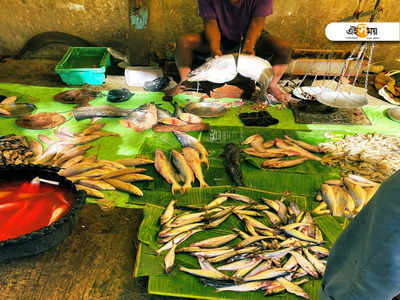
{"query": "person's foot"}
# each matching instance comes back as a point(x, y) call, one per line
point(280, 95)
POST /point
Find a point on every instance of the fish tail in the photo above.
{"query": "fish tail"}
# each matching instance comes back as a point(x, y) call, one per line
point(175, 187)
point(203, 184)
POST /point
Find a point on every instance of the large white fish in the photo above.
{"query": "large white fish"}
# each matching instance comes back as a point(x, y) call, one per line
point(142, 118)
point(225, 68)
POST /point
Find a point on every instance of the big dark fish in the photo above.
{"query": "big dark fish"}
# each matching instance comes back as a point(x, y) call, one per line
point(231, 157)
point(106, 111)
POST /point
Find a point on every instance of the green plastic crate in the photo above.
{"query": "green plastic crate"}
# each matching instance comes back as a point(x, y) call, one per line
point(81, 65)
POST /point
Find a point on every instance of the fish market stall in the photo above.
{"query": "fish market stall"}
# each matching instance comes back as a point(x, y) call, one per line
point(249, 185)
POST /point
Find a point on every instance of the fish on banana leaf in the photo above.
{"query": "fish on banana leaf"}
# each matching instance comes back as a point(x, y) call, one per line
point(245, 287)
point(292, 288)
point(166, 170)
point(184, 170)
point(142, 118)
point(240, 273)
point(305, 264)
point(177, 240)
point(319, 266)
point(205, 273)
point(168, 212)
point(188, 141)
point(237, 197)
point(169, 259)
point(304, 145)
point(232, 157)
point(193, 159)
point(216, 202)
point(267, 274)
point(124, 186)
point(278, 163)
point(216, 241)
point(133, 162)
point(187, 117)
point(281, 144)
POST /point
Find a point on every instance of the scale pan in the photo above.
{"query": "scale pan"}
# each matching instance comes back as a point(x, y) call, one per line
point(307, 92)
point(341, 99)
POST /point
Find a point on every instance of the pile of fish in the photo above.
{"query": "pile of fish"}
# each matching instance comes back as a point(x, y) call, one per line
point(268, 256)
point(287, 147)
point(185, 166)
point(14, 150)
point(345, 197)
point(374, 156)
point(149, 116)
point(4, 110)
point(67, 151)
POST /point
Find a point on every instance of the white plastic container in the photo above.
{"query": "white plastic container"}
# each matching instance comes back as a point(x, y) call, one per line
point(137, 76)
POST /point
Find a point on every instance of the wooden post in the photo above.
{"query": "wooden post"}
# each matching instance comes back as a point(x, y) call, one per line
point(139, 52)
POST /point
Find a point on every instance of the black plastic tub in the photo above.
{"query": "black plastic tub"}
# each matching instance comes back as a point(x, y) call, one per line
point(49, 236)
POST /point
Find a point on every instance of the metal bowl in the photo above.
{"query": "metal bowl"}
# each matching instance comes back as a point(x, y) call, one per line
point(206, 109)
point(341, 99)
point(49, 236)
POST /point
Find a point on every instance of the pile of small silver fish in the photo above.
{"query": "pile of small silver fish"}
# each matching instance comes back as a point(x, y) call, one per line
point(345, 197)
point(14, 150)
point(269, 257)
point(374, 156)
point(67, 151)
point(185, 166)
point(287, 147)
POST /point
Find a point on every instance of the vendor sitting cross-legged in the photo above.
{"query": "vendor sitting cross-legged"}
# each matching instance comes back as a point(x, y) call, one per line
point(226, 23)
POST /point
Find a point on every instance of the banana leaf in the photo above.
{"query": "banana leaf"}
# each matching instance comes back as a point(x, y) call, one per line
point(183, 285)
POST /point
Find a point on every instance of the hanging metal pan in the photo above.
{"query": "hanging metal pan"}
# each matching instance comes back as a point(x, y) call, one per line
point(341, 99)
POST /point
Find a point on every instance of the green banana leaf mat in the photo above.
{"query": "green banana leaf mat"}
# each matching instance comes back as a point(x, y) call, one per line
point(303, 180)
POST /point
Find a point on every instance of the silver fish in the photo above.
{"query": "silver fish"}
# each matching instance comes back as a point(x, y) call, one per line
point(305, 264)
point(168, 212)
point(224, 68)
point(216, 241)
point(292, 288)
point(267, 274)
point(107, 111)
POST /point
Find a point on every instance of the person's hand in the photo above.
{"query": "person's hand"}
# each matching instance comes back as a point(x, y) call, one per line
point(248, 50)
point(216, 52)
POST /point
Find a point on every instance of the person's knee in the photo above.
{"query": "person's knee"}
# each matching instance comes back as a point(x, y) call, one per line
point(284, 52)
point(188, 41)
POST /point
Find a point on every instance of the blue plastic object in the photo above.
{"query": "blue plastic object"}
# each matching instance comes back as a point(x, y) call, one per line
point(81, 65)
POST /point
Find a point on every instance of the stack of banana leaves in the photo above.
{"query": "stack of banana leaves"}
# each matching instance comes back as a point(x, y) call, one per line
point(241, 245)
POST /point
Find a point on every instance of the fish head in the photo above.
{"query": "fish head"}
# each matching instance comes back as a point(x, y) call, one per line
point(163, 114)
point(189, 151)
point(218, 70)
point(183, 138)
point(160, 155)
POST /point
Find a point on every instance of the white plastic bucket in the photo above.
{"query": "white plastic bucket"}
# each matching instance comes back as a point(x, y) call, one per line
point(137, 76)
